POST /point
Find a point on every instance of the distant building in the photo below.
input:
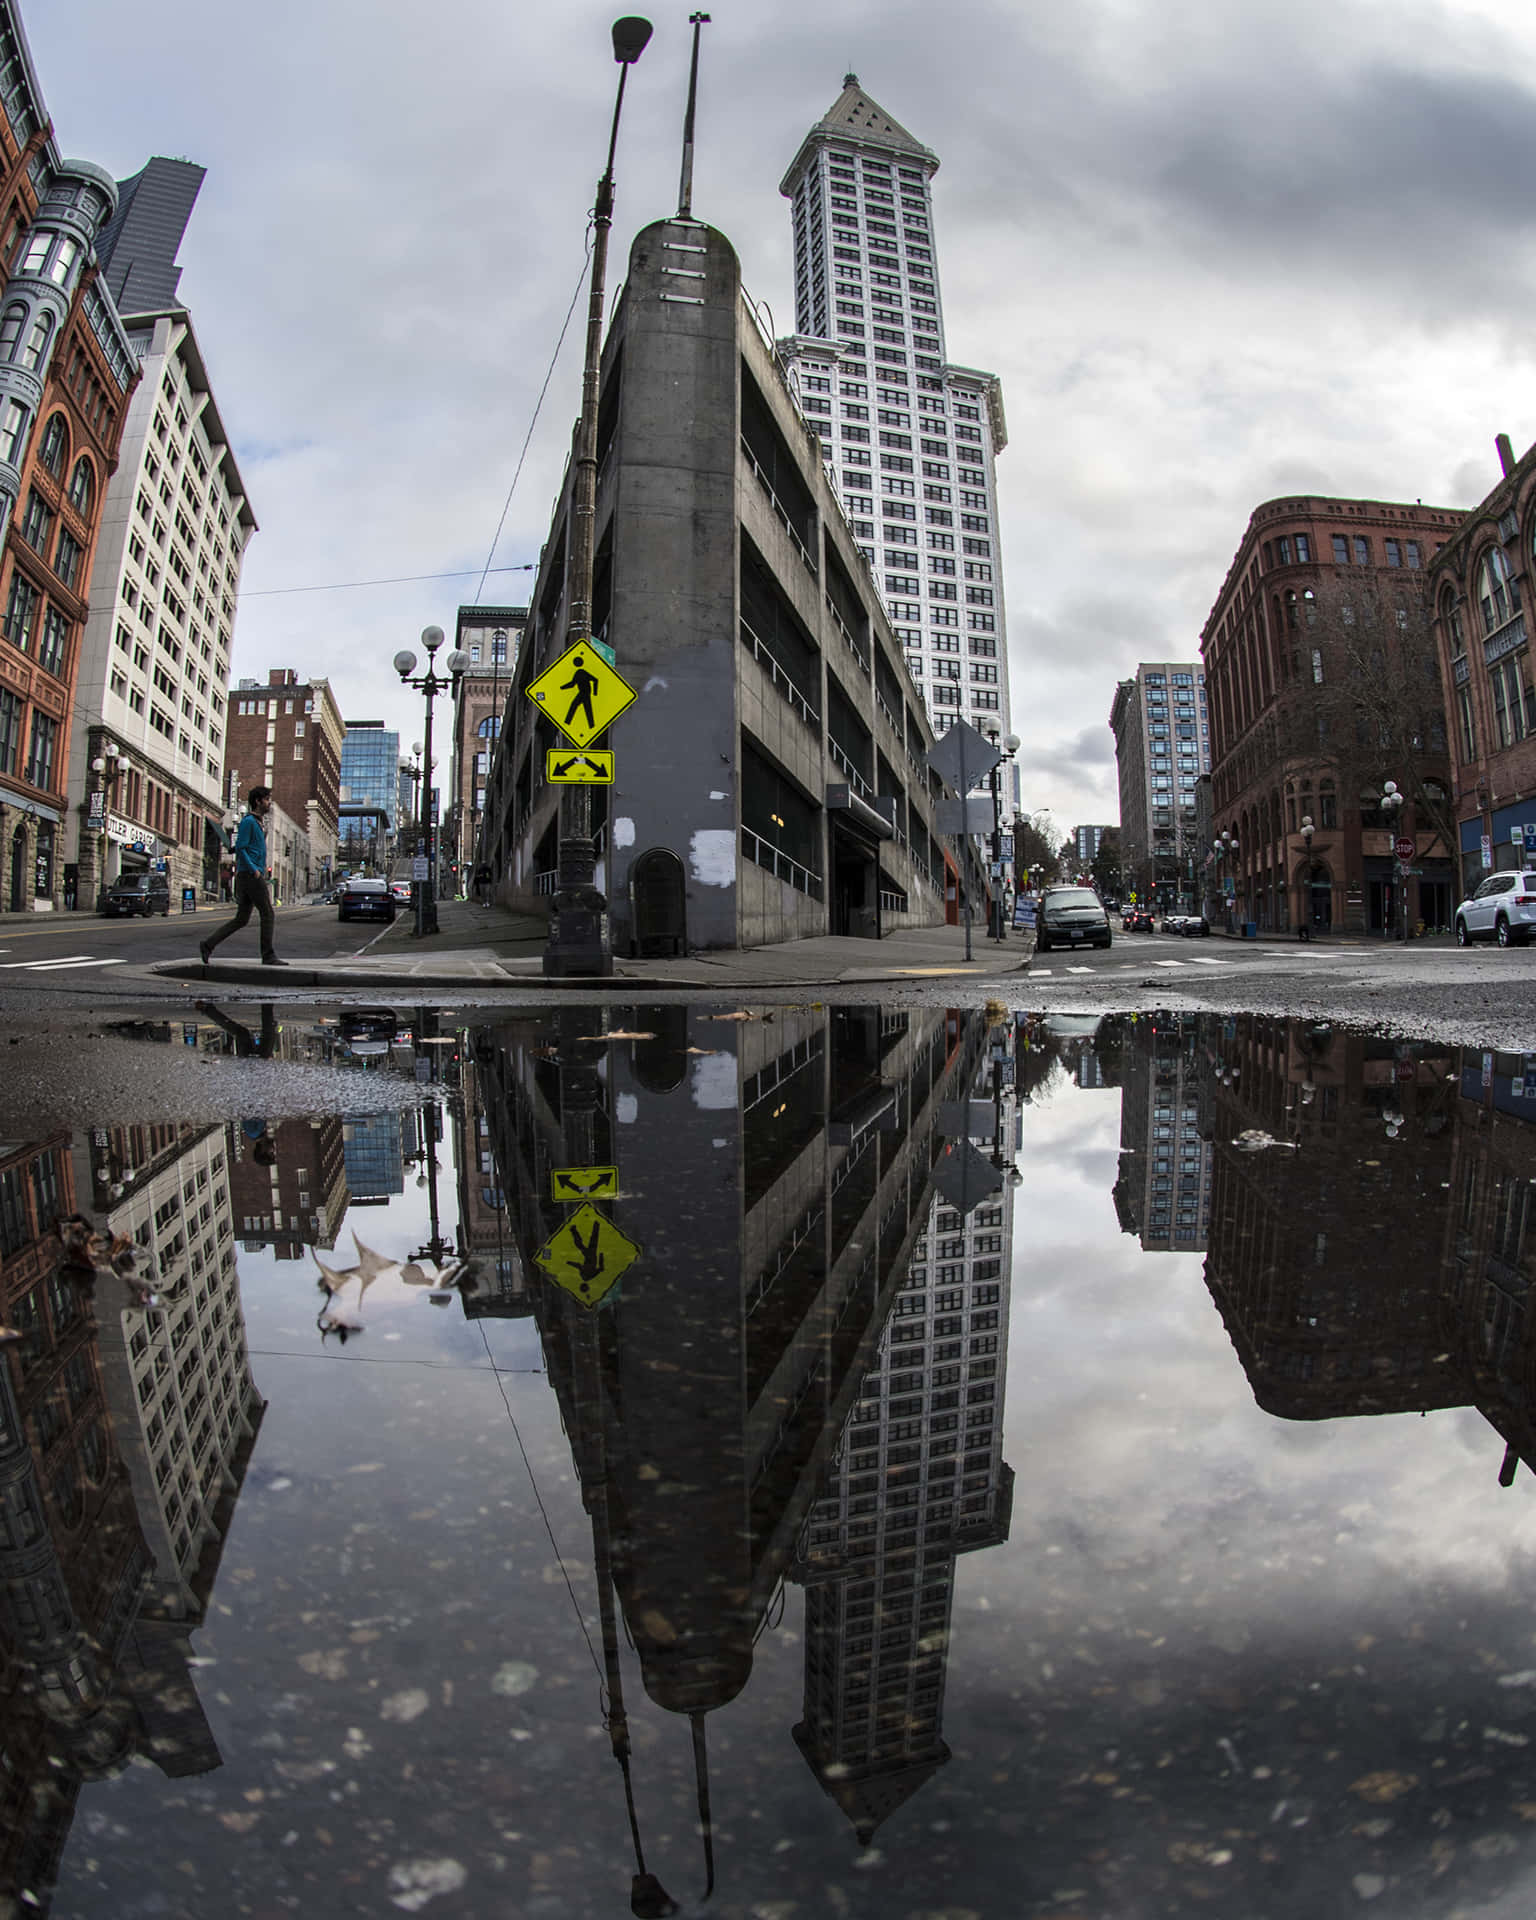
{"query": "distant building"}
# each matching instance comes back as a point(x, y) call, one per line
point(909, 440)
point(1480, 587)
point(66, 370)
point(490, 636)
point(1163, 1188)
point(370, 794)
point(1320, 666)
point(297, 1200)
point(287, 735)
point(1162, 746)
point(1086, 842)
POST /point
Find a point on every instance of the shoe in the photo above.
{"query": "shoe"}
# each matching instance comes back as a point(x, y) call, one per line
point(204, 952)
point(271, 960)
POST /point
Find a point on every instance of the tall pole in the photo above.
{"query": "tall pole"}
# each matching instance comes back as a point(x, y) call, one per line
point(685, 186)
point(426, 892)
point(578, 940)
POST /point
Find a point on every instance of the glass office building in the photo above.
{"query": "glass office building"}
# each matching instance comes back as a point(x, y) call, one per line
point(370, 793)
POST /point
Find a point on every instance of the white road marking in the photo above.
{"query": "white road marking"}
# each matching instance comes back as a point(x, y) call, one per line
point(1039, 973)
point(1199, 960)
point(1079, 969)
point(49, 966)
point(1167, 963)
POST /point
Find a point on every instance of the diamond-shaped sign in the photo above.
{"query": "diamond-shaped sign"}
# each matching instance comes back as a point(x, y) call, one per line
point(587, 1255)
point(581, 693)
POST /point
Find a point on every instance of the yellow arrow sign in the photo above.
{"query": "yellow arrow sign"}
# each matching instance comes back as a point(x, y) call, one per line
point(563, 766)
point(587, 1255)
point(584, 1183)
point(581, 693)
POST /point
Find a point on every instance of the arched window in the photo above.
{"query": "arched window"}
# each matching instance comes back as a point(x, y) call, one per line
point(11, 323)
point(1497, 593)
point(82, 486)
point(37, 342)
point(55, 448)
point(490, 728)
point(1450, 615)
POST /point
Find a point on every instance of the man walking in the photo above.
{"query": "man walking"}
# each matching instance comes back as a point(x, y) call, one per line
point(250, 881)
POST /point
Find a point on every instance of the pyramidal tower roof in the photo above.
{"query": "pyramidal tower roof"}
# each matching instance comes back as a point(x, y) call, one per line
point(855, 117)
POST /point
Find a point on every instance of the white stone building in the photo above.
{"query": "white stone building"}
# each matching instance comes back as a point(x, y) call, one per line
point(909, 439)
point(154, 668)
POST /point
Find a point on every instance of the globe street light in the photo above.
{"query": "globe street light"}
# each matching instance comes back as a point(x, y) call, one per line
point(109, 766)
point(430, 684)
point(1007, 749)
point(1392, 799)
point(578, 938)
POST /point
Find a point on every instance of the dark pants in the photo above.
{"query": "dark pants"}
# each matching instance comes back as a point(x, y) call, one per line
point(251, 895)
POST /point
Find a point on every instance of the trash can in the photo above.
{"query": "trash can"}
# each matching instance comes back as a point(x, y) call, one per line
point(1250, 929)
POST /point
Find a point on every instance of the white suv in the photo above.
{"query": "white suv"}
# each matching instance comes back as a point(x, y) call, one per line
point(1503, 909)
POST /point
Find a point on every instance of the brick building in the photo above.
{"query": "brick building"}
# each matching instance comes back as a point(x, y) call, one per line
point(66, 369)
point(1479, 582)
point(1319, 666)
point(490, 636)
point(287, 735)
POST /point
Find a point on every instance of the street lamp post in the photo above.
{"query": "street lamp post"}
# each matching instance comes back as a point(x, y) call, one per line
point(1392, 799)
point(578, 938)
point(1007, 748)
point(1226, 850)
point(1304, 902)
point(431, 684)
point(108, 767)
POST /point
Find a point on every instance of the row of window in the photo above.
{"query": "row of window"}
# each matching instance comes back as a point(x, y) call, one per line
point(41, 747)
point(1349, 549)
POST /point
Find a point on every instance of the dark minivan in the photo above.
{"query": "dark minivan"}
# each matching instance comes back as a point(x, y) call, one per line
point(1071, 917)
point(144, 893)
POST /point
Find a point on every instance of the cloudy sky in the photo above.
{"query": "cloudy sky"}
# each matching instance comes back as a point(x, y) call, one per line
point(1216, 254)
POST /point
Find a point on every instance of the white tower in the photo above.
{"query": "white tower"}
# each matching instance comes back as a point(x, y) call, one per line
point(909, 440)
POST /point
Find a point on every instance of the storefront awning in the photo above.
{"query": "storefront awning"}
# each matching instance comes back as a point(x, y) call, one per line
point(28, 805)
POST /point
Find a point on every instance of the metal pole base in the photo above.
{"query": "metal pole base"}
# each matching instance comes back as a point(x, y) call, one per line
point(578, 936)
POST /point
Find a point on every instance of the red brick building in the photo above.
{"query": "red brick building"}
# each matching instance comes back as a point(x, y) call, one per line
point(1480, 584)
point(287, 735)
point(66, 369)
point(1321, 678)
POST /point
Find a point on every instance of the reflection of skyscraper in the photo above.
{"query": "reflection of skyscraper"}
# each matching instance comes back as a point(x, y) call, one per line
point(1163, 1192)
point(771, 1178)
point(919, 1478)
point(374, 1154)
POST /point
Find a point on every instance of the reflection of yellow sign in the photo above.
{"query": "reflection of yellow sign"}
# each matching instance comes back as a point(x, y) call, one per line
point(587, 1256)
point(564, 765)
point(581, 693)
point(584, 1183)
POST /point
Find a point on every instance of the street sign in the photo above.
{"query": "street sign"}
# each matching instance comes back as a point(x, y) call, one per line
point(962, 743)
point(420, 867)
point(587, 1255)
point(581, 693)
point(583, 1183)
point(1487, 850)
point(1404, 849)
point(594, 768)
point(973, 816)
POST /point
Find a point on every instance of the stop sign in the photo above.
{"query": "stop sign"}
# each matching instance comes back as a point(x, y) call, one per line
point(1403, 848)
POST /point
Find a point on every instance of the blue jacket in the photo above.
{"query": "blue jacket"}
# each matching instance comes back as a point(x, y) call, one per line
point(251, 847)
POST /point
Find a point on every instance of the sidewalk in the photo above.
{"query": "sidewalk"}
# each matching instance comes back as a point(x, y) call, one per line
point(491, 949)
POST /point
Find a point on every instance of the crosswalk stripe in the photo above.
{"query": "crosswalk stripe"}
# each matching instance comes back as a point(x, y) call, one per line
point(1167, 963)
point(1199, 960)
point(50, 966)
point(1079, 969)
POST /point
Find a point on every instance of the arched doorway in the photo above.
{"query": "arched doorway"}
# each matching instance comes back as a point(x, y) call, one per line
point(1317, 897)
point(658, 903)
point(19, 867)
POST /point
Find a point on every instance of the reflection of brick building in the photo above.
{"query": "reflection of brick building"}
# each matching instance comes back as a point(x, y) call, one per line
point(295, 1199)
point(1320, 669)
point(1322, 1248)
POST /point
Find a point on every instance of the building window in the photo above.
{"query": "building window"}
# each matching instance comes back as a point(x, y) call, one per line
point(55, 445)
point(20, 612)
point(1508, 710)
point(36, 522)
point(66, 558)
point(13, 431)
point(1468, 730)
point(1340, 550)
point(40, 759)
point(1497, 594)
point(10, 730)
point(53, 642)
point(1362, 550)
point(1394, 553)
point(37, 342)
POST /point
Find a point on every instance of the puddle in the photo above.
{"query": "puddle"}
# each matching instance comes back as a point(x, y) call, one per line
point(865, 1461)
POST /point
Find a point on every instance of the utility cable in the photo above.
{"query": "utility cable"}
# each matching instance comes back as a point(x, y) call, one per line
point(394, 580)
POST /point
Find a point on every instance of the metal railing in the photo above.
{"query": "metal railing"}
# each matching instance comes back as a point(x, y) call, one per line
point(764, 854)
point(778, 507)
point(547, 881)
point(892, 902)
point(856, 779)
point(781, 680)
point(1510, 636)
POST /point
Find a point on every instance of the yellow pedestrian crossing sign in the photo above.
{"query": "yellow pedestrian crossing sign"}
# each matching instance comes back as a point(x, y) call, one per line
point(587, 1255)
point(581, 693)
point(583, 1183)
point(566, 766)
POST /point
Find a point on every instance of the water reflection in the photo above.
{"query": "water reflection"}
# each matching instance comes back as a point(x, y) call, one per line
point(771, 1267)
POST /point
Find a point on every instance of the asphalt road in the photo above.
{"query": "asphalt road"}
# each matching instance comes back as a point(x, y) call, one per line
point(74, 946)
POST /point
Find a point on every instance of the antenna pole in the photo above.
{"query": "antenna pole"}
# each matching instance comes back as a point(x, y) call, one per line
point(685, 185)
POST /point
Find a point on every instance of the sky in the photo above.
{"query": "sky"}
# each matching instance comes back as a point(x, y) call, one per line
point(1216, 254)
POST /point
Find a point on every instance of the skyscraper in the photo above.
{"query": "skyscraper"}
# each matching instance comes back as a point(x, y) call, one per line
point(909, 439)
point(1160, 852)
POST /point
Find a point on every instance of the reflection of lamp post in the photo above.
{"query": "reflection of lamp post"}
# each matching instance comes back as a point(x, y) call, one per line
point(578, 937)
point(108, 767)
point(1392, 806)
point(431, 685)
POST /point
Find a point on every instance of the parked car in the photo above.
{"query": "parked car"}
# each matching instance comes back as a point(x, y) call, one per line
point(1193, 925)
point(366, 900)
point(1503, 909)
point(366, 1032)
point(1071, 917)
point(401, 890)
point(1173, 923)
point(144, 893)
point(1138, 920)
